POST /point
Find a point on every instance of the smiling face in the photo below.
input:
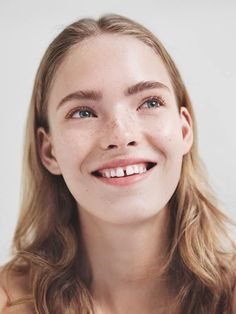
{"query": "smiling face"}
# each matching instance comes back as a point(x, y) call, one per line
point(121, 105)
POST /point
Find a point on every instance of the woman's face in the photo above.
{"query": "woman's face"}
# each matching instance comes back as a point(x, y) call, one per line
point(105, 119)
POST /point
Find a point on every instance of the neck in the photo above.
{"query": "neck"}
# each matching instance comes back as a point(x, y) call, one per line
point(126, 261)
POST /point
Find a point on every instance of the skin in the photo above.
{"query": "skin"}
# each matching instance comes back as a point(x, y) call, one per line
point(124, 228)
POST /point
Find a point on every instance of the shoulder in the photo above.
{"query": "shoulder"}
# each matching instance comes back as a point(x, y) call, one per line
point(11, 288)
point(3, 299)
point(3, 293)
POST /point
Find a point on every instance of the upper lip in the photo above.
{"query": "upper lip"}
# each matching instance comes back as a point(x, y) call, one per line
point(123, 162)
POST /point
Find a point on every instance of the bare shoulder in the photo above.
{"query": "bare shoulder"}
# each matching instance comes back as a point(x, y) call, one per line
point(3, 293)
point(3, 300)
point(12, 288)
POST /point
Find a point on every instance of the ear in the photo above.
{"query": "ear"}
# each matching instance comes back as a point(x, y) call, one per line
point(187, 129)
point(46, 152)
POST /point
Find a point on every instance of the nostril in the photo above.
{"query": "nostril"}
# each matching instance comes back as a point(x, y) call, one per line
point(112, 146)
point(133, 143)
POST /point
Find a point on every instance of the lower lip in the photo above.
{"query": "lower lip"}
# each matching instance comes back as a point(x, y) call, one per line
point(124, 181)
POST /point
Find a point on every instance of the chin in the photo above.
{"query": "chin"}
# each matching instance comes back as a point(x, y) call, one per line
point(131, 216)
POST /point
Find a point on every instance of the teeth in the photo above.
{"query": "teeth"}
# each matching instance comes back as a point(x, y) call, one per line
point(142, 169)
point(106, 174)
point(129, 170)
point(136, 169)
point(120, 172)
point(113, 172)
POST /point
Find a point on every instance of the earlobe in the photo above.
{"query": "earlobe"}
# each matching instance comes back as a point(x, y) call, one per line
point(46, 152)
point(187, 129)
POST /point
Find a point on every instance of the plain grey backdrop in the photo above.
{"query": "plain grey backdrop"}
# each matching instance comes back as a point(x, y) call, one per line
point(199, 35)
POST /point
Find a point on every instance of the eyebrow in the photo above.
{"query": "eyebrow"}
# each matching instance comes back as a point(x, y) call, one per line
point(97, 95)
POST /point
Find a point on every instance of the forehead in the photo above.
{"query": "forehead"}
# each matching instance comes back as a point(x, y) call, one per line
point(108, 62)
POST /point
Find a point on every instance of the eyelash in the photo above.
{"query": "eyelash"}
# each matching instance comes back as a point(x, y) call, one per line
point(158, 99)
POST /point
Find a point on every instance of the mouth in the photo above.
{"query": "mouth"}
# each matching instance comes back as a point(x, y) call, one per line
point(128, 171)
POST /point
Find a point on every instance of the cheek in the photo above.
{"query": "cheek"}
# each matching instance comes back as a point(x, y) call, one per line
point(166, 135)
point(71, 149)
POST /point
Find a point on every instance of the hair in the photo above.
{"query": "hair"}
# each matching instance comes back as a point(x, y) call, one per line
point(48, 248)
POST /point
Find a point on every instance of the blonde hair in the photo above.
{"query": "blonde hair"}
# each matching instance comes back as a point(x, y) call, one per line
point(47, 244)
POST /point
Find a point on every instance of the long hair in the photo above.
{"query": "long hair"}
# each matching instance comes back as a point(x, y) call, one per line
point(48, 247)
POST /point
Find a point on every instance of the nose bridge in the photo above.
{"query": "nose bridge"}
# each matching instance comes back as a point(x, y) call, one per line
point(121, 129)
point(121, 120)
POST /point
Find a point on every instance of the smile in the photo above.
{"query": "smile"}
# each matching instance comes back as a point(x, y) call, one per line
point(124, 175)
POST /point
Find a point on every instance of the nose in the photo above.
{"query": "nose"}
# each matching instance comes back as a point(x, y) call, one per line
point(120, 133)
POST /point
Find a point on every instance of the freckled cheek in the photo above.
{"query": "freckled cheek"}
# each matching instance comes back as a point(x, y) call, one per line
point(166, 134)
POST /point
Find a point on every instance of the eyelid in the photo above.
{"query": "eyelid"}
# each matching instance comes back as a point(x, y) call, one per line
point(79, 108)
point(156, 98)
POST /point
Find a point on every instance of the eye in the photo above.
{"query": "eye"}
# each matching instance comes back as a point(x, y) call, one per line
point(153, 102)
point(80, 113)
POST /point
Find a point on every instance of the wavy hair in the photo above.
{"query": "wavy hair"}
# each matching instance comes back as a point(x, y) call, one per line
point(48, 248)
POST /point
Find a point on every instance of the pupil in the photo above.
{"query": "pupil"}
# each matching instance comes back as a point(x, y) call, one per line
point(84, 114)
point(153, 103)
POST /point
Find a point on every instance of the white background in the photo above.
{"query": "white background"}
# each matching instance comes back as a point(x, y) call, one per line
point(199, 35)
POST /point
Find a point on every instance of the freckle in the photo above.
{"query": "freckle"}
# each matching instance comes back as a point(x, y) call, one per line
point(168, 139)
point(114, 123)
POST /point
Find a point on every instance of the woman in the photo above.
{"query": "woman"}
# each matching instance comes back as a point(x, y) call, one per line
point(116, 215)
